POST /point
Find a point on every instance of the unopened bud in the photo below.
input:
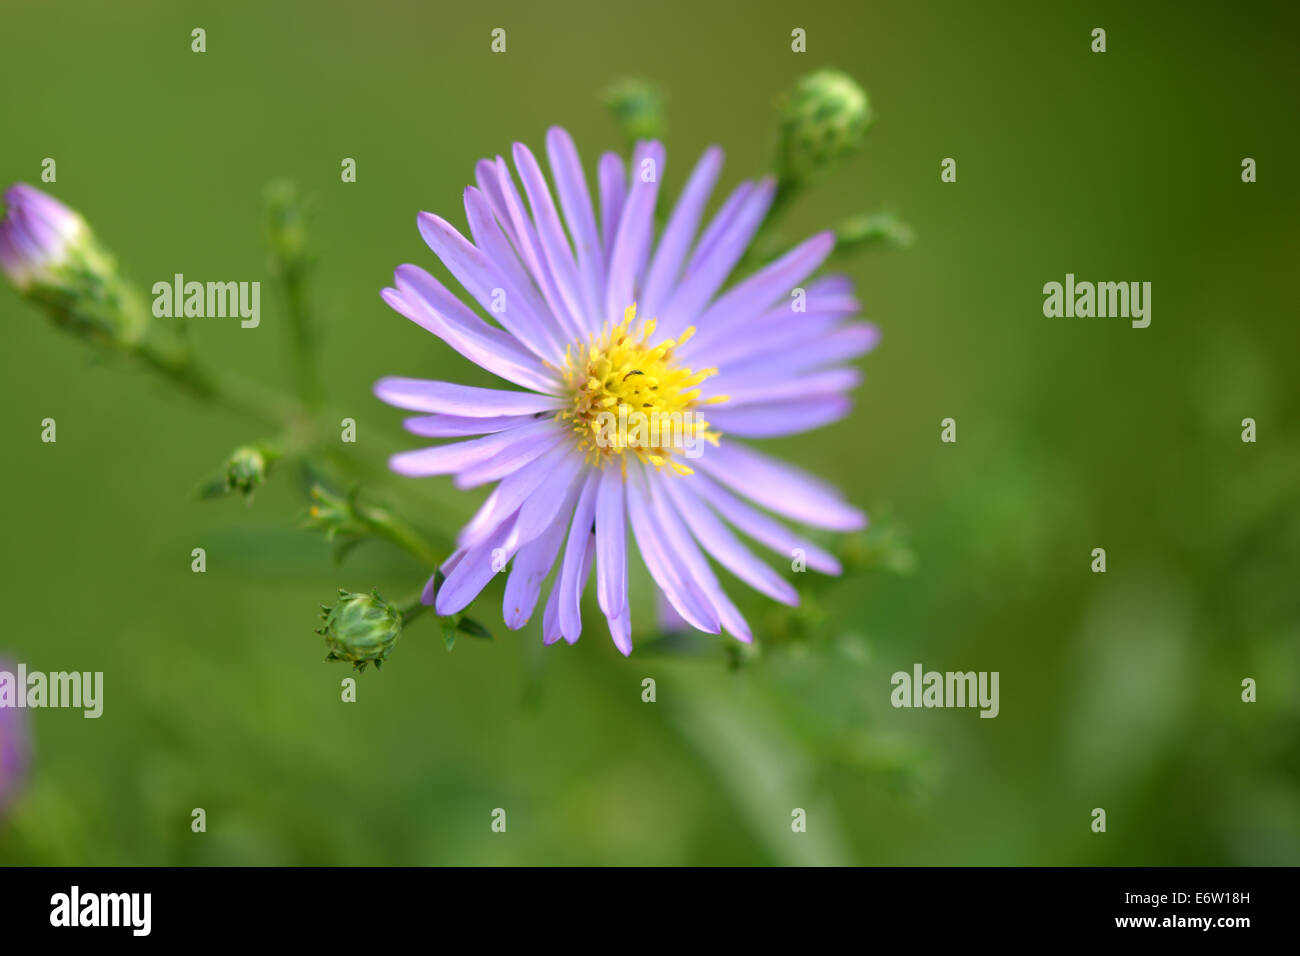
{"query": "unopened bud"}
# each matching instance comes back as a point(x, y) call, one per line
point(246, 469)
point(823, 120)
point(50, 255)
point(15, 741)
point(336, 515)
point(638, 108)
point(360, 629)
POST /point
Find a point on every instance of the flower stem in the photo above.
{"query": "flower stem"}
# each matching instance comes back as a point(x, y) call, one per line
point(293, 264)
point(387, 525)
point(412, 609)
point(244, 399)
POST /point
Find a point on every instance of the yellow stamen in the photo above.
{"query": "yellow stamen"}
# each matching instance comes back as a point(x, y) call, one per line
point(629, 395)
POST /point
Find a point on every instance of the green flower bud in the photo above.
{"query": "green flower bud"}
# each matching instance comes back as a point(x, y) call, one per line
point(638, 108)
point(334, 514)
point(51, 256)
point(342, 519)
point(242, 473)
point(287, 229)
point(246, 469)
point(360, 629)
point(823, 121)
point(347, 521)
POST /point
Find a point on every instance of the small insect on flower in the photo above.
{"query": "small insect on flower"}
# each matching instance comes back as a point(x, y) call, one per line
point(637, 372)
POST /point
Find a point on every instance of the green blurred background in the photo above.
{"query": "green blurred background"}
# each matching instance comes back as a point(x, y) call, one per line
point(1119, 690)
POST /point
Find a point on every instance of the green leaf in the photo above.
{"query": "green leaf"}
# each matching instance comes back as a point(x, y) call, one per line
point(212, 488)
point(474, 629)
point(342, 548)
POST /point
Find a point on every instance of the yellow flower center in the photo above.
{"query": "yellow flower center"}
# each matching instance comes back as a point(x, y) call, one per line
point(631, 396)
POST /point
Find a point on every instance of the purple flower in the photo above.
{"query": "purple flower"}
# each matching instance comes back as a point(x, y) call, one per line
point(575, 456)
point(13, 746)
point(35, 235)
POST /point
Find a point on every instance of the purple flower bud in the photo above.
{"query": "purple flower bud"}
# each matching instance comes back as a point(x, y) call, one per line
point(35, 235)
point(14, 748)
point(50, 254)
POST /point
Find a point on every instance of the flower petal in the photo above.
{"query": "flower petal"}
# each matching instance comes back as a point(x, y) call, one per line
point(762, 528)
point(507, 497)
point(550, 233)
point(535, 440)
point(458, 426)
point(575, 200)
point(792, 345)
point(537, 510)
point(613, 192)
point(680, 231)
point(472, 571)
point(670, 622)
point(424, 300)
point(635, 228)
point(481, 276)
point(520, 290)
point(731, 311)
point(780, 487)
point(551, 616)
point(775, 419)
point(611, 543)
point(660, 557)
point(579, 581)
point(530, 252)
point(695, 566)
point(520, 444)
point(709, 270)
point(423, 395)
point(576, 567)
point(620, 631)
point(726, 548)
point(532, 564)
point(747, 386)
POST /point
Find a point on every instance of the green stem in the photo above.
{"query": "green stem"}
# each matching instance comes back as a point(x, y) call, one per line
point(293, 264)
point(766, 245)
point(786, 192)
point(304, 338)
point(388, 526)
point(412, 609)
point(301, 433)
point(248, 401)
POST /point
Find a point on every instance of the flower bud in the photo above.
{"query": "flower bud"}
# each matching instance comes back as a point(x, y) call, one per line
point(50, 255)
point(335, 514)
point(360, 629)
point(15, 745)
point(823, 121)
point(36, 236)
point(246, 469)
point(638, 108)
